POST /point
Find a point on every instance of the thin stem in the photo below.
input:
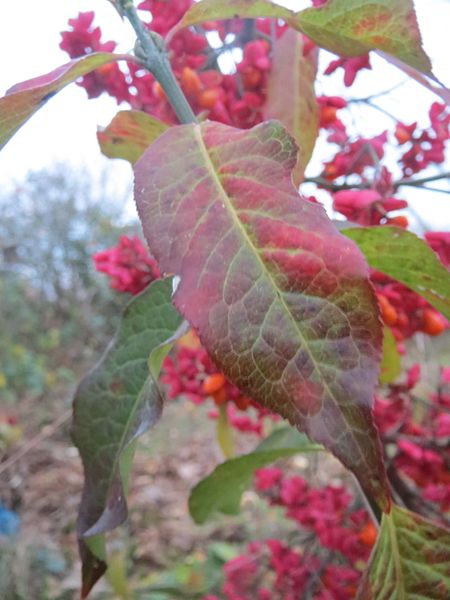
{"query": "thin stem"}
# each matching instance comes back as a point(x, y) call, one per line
point(422, 180)
point(157, 62)
point(335, 187)
point(224, 433)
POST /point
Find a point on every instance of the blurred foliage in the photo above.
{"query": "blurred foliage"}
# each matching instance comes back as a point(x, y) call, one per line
point(55, 310)
point(25, 570)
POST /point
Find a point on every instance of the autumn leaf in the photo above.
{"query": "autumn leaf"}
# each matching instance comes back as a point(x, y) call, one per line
point(24, 99)
point(352, 27)
point(294, 72)
point(129, 134)
point(411, 559)
point(280, 299)
point(113, 405)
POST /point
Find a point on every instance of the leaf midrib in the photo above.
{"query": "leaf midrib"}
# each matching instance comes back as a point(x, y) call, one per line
point(396, 557)
point(210, 167)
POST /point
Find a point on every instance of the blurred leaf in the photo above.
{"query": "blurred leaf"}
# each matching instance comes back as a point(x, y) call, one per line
point(390, 367)
point(280, 299)
point(410, 560)
point(113, 405)
point(24, 99)
point(296, 107)
point(405, 257)
point(222, 490)
point(129, 134)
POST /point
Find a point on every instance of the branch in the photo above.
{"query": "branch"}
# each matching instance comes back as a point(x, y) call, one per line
point(336, 187)
point(422, 180)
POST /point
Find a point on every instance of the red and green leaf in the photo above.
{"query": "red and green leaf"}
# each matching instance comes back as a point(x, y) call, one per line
point(411, 559)
point(129, 134)
point(113, 405)
point(294, 72)
point(280, 299)
point(24, 99)
point(352, 27)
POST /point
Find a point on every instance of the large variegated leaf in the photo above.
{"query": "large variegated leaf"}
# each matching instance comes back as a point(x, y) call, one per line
point(291, 97)
point(280, 299)
point(405, 257)
point(347, 27)
point(113, 405)
point(411, 560)
point(24, 99)
point(129, 134)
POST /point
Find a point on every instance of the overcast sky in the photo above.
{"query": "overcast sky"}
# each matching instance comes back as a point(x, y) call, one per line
point(65, 128)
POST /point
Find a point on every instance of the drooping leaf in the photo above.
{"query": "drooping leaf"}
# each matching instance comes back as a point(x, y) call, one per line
point(390, 363)
point(405, 257)
point(24, 99)
point(222, 490)
point(346, 27)
point(411, 560)
point(113, 405)
point(439, 89)
point(279, 298)
point(294, 72)
point(352, 27)
point(129, 134)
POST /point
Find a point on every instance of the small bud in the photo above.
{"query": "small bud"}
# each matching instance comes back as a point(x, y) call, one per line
point(139, 51)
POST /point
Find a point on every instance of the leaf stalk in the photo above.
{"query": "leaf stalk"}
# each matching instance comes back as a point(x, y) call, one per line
point(156, 60)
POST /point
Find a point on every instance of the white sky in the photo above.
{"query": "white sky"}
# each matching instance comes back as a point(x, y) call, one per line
point(65, 128)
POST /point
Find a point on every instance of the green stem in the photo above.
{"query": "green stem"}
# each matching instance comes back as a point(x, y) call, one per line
point(422, 180)
point(224, 433)
point(157, 62)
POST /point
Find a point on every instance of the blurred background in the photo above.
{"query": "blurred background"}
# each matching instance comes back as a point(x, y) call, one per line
point(61, 201)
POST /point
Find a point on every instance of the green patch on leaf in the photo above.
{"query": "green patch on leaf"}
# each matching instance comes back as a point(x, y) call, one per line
point(129, 134)
point(222, 490)
point(406, 258)
point(113, 405)
point(411, 560)
point(390, 363)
